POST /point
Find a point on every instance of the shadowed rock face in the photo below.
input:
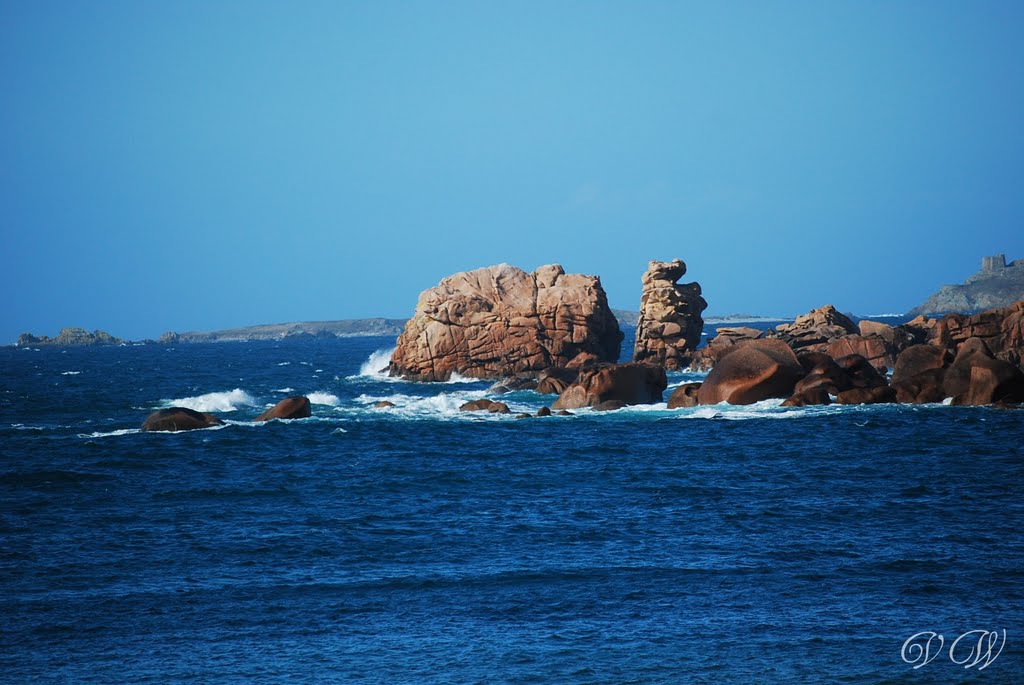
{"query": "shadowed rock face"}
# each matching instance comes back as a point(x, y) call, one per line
point(499, 321)
point(670, 323)
point(296, 407)
point(625, 383)
point(179, 419)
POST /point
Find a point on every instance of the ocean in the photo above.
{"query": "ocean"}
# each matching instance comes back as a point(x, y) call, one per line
point(419, 544)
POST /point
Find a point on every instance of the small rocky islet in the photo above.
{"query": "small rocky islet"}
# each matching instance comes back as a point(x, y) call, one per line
point(554, 333)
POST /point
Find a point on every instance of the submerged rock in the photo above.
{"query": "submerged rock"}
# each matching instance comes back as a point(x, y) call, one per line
point(296, 407)
point(499, 321)
point(670, 324)
point(179, 419)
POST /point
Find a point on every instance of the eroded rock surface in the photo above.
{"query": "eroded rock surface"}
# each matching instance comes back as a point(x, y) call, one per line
point(499, 321)
point(670, 323)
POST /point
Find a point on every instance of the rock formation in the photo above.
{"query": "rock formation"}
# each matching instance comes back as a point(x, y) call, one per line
point(179, 419)
point(816, 329)
point(1002, 331)
point(670, 323)
point(69, 337)
point(296, 407)
point(725, 339)
point(627, 383)
point(498, 321)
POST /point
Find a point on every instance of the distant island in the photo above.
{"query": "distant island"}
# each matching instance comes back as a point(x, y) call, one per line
point(629, 318)
point(998, 284)
point(346, 328)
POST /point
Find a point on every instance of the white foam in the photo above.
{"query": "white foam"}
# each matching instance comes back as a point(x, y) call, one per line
point(70, 373)
point(110, 434)
point(284, 363)
point(324, 398)
point(215, 401)
point(284, 390)
point(376, 365)
point(444, 405)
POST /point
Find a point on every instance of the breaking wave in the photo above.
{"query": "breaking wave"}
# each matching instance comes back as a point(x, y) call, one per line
point(376, 366)
point(324, 398)
point(215, 401)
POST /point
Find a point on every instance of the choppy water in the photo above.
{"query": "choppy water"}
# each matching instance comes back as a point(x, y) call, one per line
point(747, 544)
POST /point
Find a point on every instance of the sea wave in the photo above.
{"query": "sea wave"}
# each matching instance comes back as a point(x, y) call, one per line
point(283, 390)
point(70, 373)
point(324, 398)
point(444, 405)
point(230, 400)
point(376, 365)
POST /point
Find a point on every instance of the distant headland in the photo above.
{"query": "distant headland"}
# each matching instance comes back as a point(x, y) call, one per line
point(998, 284)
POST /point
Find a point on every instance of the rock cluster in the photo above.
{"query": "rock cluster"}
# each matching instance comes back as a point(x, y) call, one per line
point(500, 320)
point(670, 323)
point(69, 337)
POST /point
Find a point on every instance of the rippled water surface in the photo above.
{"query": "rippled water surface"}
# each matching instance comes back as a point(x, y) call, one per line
point(417, 544)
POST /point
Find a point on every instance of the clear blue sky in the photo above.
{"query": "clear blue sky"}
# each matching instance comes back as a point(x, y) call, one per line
point(199, 165)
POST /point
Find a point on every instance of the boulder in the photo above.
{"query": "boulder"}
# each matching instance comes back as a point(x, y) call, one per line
point(880, 394)
point(383, 404)
point(828, 376)
point(499, 321)
point(498, 408)
point(296, 407)
point(759, 370)
point(631, 383)
point(809, 359)
point(477, 405)
point(924, 388)
point(544, 411)
point(684, 396)
point(520, 381)
point(917, 359)
point(670, 324)
point(179, 419)
point(874, 348)
point(977, 378)
point(816, 329)
point(609, 405)
point(860, 372)
point(812, 396)
point(555, 381)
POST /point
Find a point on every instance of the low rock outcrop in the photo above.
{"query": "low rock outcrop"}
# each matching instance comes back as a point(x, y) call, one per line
point(628, 383)
point(758, 370)
point(179, 419)
point(499, 321)
point(296, 407)
point(670, 323)
point(69, 337)
point(816, 329)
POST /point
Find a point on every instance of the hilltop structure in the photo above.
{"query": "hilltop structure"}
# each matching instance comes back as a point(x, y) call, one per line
point(998, 284)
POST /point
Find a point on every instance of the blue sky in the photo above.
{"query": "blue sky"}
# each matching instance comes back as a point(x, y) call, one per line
point(191, 166)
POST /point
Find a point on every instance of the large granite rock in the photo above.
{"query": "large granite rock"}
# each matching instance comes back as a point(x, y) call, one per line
point(499, 321)
point(670, 323)
point(758, 370)
point(627, 383)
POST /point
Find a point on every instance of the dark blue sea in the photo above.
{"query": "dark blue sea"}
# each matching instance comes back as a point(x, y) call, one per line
point(420, 545)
